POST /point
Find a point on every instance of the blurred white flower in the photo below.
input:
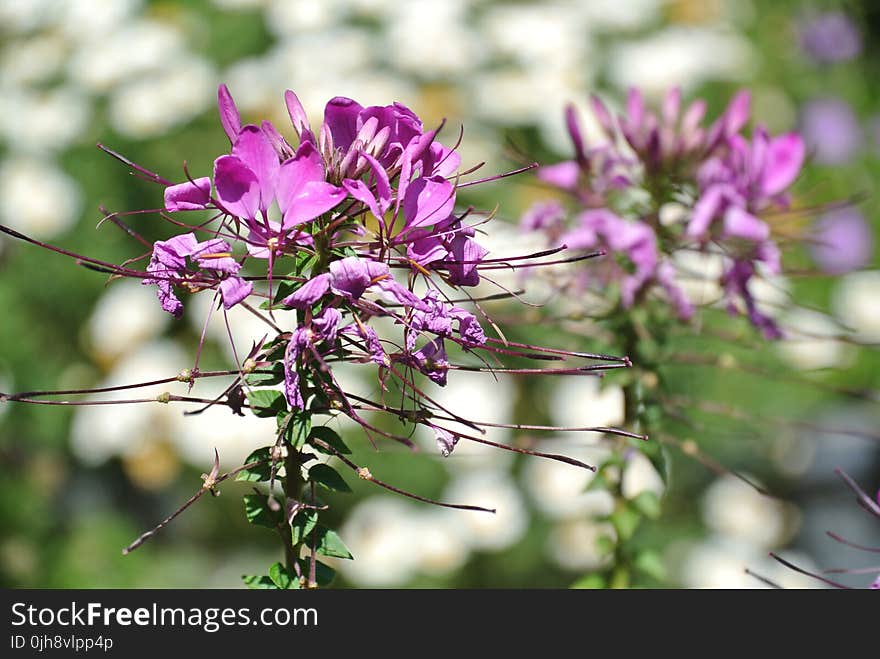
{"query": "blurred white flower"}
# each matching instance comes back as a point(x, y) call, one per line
point(31, 60)
point(90, 21)
point(158, 102)
point(27, 15)
point(143, 47)
point(487, 531)
point(721, 562)
point(294, 17)
point(440, 549)
point(477, 397)
point(737, 510)
point(382, 534)
point(607, 15)
point(583, 401)
point(558, 489)
point(37, 198)
point(679, 56)
point(810, 343)
point(699, 274)
point(640, 475)
point(103, 431)
point(124, 318)
point(48, 120)
point(576, 544)
point(430, 38)
point(855, 302)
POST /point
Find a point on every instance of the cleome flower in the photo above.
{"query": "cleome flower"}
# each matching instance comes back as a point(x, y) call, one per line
point(724, 183)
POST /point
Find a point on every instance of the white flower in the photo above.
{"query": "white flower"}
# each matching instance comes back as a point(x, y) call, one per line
point(37, 198)
point(736, 510)
point(487, 531)
point(855, 303)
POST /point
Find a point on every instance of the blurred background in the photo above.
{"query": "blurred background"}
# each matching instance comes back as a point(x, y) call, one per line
point(77, 485)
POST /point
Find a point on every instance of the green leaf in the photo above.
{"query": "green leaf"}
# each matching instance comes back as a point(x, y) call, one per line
point(324, 574)
point(267, 402)
point(267, 379)
point(258, 583)
point(330, 437)
point(303, 523)
point(297, 431)
point(590, 581)
point(647, 503)
point(625, 520)
point(260, 472)
point(650, 563)
point(328, 477)
point(282, 578)
point(256, 508)
point(329, 543)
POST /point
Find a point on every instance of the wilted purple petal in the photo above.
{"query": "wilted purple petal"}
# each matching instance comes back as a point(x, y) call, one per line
point(309, 293)
point(166, 296)
point(446, 441)
point(432, 360)
point(233, 290)
point(189, 195)
point(327, 324)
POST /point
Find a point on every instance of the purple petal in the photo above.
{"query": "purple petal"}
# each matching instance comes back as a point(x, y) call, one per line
point(189, 195)
point(303, 194)
point(172, 253)
point(563, 175)
point(574, 131)
point(166, 296)
point(466, 255)
point(215, 254)
point(842, 241)
point(351, 276)
point(298, 117)
point(446, 441)
point(309, 293)
point(327, 324)
point(440, 161)
point(740, 224)
point(233, 290)
point(705, 210)
point(291, 376)
point(253, 148)
point(229, 117)
point(341, 119)
point(426, 250)
point(276, 139)
point(784, 160)
point(603, 116)
point(238, 190)
point(428, 201)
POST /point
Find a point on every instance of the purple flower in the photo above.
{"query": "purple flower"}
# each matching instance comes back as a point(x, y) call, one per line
point(830, 37)
point(446, 440)
point(842, 241)
point(736, 285)
point(831, 131)
point(431, 359)
point(437, 317)
point(189, 195)
point(372, 345)
point(251, 178)
point(168, 266)
point(350, 278)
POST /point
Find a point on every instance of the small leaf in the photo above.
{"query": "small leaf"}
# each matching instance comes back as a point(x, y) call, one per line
point(263, 471)
point(303, 523)
point(282, 577)
point(647, 503)
point(330, 544)
point(328, 477)
point(266, 402)
point(258, 583)
point(257, 510)
point(650, 563)
point(589, 582)
point(297, 430)
point(267, 377)
point(625, 520)
point(330, 437)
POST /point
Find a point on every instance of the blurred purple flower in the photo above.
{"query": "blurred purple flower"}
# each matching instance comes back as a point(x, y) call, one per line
point(842, 241)
point(831, 130)
point(830, 37)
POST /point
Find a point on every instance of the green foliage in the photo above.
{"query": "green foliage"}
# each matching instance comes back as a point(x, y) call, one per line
point(258, 511)
point(327, 477)
point(266, 402)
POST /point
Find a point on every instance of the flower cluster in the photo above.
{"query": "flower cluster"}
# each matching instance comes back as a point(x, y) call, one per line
point(722, 181)
point(349, 249)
